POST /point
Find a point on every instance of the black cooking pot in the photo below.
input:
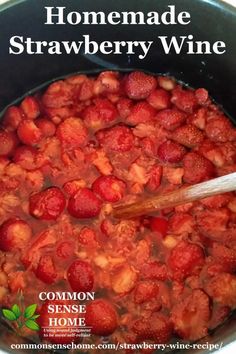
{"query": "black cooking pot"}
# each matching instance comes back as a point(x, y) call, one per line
point(211, 20)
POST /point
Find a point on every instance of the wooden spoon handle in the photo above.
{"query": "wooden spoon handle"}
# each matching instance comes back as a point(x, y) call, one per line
point(181, 196)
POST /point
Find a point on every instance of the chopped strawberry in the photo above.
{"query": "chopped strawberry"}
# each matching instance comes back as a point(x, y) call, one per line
point(124, 106)
point(226, 256)
point(222, 288)
point(228, 151)
point(28, 158)
point(159, 225)
point(142, 112)
point(108, 82)
point(217, 201)
point(8, 142)
point(46, 270)
point(174, 175)
point(84, 204)
point(102, 113)
point(109, 188)
point(145, 291)
point(12, 118)
point(220, 129)
point(190, 316)
point(210, 222)
point(102, 317)
point(181, 223)
point(157, 327)
point(14, 234)
point(139, 85)
point(154, 271)
point(199, 118)
point(197, 168)
point(72, 133)
point(29, 133)
point(30, 107)
point(170, 119)
point(64, 250)
point(159, 99)
point(171, 152)
point(118, 138)
point(185, 259)
point(124, 279)
point(155, 176)
point(167, 83)
point(47, 127)
point(184, 99)
point(188, 135)
point(86, 90)
point(202, 96)
point(80, 276)
point(87, 237)
point(58, 94)
point(71, 187)
point(47, 204)
point(212, 152)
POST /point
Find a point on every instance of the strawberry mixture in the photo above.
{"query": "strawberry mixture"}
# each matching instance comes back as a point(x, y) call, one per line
point(68, 154)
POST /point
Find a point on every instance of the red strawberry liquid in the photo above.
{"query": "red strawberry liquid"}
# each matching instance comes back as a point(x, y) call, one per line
point(68, 154)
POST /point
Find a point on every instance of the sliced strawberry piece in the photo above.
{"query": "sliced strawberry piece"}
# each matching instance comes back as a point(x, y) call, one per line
point(224, 255)
point(160, 329)
point(107, 82)
point(190, 316)
point(86, 90)
point(159, 99)
point(48, 204)
point(155, 176)
point(139, 85)
point(167, 83)
point(217, 201)
point(14, 234)
point(184, 99)
point(109, 188)
point(47, 127)
point(102, 317)
point(197, 168)
point(8, 142)
point(28, 158)
point(80, 276)
point(188, 135)
point(171, 152)
point(101, 114)
point(124, 279)
point(185, 259)
point(210, 222)
point(64, 250)
point(201, 96)
point(174, 175)
point(199, 118)
point(12, 118)
point(84, 204)
point(87, 237)
point(220, 129)
point(154, 271)
point(58, 94)
point(30, 107)
point(46, 270)
point(118, 138)
point(145, 291)
point(170, 119)
point(222, 288)
point(72, 133)
point(29, 133)
point(124, 106)
point(212, 152)
point(142, 112)
point(181, 223)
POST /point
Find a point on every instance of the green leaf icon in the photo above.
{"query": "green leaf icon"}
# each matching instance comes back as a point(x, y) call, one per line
point(9, 314)
point(30, 310)
point(34, 317)
point(32, 325)
point(15, 308)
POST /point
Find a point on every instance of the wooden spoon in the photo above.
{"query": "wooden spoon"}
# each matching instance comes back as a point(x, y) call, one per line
point(181, 196)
